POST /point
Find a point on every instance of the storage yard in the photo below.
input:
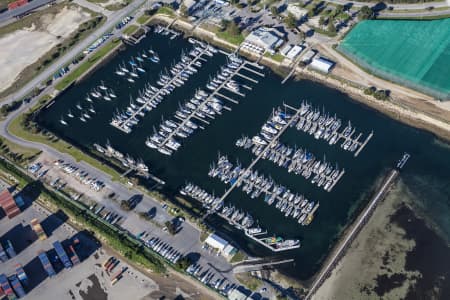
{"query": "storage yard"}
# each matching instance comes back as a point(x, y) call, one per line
point(39, 247)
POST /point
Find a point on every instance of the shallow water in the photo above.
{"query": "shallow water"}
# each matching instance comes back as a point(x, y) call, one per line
point(428, 166)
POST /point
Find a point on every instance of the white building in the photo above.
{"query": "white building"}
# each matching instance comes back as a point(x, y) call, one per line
point(285, 49)
point(268, 39)
point(294, 52)
point(298, 12)
point(309, 56)
point(216, 242)
point(322, 64)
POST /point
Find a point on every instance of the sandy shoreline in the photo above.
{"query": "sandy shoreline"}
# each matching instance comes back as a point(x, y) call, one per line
point(399, 108)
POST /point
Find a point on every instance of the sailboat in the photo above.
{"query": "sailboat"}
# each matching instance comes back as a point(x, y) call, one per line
point(106, 97)
point(62, 121)
point(82, 119)
point(112, 94)
point(130, 79)
point(91, 109)
point(86, 116)
point(79, 106)
point(88, 99)
point(69, 114)
point(102, 86)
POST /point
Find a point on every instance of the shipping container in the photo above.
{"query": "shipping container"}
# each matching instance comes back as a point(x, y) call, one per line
point(46, 264)
point(17, 286)
point(6, 287)
point(8, 204)
point(37, 228)
point(9, 249)
point(17, 4)
point(21, 274)
point(62, 255)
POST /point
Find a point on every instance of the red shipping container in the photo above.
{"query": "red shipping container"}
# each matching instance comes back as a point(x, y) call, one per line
point(17, 4)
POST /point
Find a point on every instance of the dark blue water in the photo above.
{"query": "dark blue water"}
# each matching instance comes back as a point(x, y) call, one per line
point(427, 170)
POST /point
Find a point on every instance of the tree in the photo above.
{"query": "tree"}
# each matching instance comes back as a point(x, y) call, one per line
point(274, 10)
point(183, 263)
point(183, 10)
point(339, 9)
point(331, 27)
point(233, 29)
point(322, 20)
point(290, 21)
point(366, 13)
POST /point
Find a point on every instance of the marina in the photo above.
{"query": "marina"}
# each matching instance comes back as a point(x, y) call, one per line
point(239, 219)
point(201, 106)
point(151, 96)
point(192, 161)
point(323, 126)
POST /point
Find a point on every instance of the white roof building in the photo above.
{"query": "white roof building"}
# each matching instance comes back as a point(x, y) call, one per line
point(308, 56)
point(296, 11)
point(216, 242)
point(266, 38)
point(286, 48)
point(322, 64)
point(294, 52)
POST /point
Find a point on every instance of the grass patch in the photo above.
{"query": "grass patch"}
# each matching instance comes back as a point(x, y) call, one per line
point(48, 58)
point(17, 153)
point(143, 19)
point(277, 56)
point(238, 257)
point(233, 39)
point(324, 32)
point(249, 281)
point(17, 127)
point(118, 6)
point(94, 58)
point(130, 29)
point(165, 10)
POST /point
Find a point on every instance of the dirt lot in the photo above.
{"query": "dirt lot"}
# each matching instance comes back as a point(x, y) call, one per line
point(43, 32)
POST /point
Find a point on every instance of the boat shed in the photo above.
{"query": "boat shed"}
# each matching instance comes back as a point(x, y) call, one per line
point(216, 242)
point(322, 64)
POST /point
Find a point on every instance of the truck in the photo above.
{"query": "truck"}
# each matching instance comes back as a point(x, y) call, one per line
point(46, 264)
point(73, 256)
point(17, 286)
point(21, 274)
point(10, 249)
point(37, 228)
point(62, 255)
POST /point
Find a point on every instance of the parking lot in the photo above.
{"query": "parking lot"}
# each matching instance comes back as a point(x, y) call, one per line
point(185, 242)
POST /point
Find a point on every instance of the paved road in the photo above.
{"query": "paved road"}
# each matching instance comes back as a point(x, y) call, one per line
point(420, 5)
point(351, 235)
point(113, 19)
point(23, 9)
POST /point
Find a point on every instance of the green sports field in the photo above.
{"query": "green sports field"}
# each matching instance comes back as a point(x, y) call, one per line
point(413, 53)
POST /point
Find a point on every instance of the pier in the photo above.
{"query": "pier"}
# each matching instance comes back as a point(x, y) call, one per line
point(323, 126)
point(123, 124)
point(258, 157)
point(199, 108)
point(353, 232)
